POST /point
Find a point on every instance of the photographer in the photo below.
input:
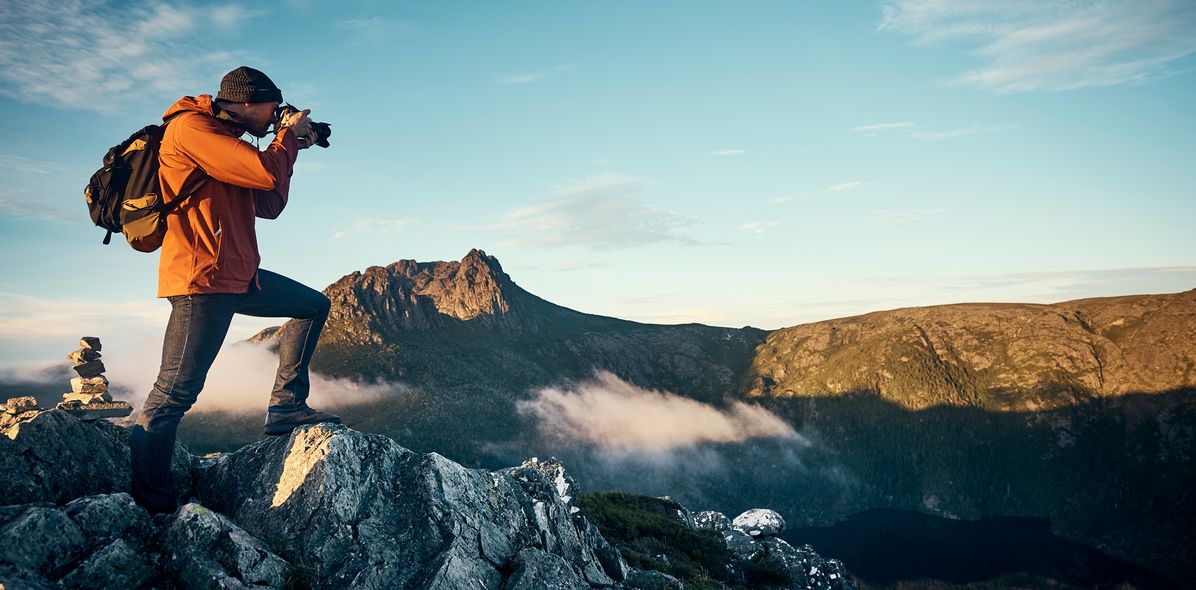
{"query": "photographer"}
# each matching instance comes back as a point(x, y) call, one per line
point(208, 266)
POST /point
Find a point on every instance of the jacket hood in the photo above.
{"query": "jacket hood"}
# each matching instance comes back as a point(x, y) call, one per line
point(198, 104)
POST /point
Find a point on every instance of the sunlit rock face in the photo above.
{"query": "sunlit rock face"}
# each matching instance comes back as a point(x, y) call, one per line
point(363, 512)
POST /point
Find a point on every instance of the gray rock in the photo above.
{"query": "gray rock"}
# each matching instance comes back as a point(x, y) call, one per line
point(118, 564)
point(652, 580)
point(41, 539)
point(87, 398)
point(90, 368)
point(90, 342)
point(711, 520)
point(209, 551)
point(13, 578)
point(97, 542)
point(52, 456)
point(740, 543)
point(359, 510)
point(760, 522)
point(537, 570)
point(807, 569)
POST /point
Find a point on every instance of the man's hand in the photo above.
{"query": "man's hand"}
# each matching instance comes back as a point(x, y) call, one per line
point(298, 122)
point(308, 140)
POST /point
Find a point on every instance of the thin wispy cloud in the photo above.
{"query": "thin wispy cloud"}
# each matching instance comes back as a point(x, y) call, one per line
point(911, 129)
point(939, 135)
point(374, 31)
point(904, 218)
point(95, 56)
point(757, 227)
point(600, 212)
point(1053, 45)
point(28, 207)
point(728, 152)
point(844, 187)
point(363, 226)
point(535, 76)
point(878, 128)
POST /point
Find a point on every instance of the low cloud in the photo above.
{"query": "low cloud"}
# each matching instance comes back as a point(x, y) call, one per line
point(614, 415)
point(241, 379)
point(1053, 45)
point(28, 207)
point(728, 152)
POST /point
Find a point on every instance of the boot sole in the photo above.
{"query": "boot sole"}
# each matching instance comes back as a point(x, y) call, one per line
point(279, 429)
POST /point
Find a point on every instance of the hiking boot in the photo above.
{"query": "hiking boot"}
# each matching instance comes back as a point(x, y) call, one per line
point(283, 421)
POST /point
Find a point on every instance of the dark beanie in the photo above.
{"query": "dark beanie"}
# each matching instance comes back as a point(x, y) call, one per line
point(246, 84)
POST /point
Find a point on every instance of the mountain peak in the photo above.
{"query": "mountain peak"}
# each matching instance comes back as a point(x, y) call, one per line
point(411, 295)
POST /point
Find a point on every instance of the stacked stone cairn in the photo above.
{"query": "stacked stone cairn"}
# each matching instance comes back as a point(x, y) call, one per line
point(89, 398)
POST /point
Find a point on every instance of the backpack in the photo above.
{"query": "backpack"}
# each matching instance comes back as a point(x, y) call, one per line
point(125, 196)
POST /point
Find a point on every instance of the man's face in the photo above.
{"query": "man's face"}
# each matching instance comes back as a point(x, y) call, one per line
point(258, 115)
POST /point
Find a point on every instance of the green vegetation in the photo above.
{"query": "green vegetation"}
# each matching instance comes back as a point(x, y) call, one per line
point(650, 538)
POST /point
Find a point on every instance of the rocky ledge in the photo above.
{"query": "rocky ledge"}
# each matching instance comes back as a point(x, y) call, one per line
point(327, 507)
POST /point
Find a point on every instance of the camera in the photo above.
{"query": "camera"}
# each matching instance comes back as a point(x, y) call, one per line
point(323, 130)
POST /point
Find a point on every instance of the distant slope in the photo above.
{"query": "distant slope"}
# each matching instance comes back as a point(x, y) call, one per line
point(1004, 357)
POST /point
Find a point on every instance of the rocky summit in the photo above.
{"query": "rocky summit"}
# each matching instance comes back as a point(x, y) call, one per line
point(326, 507)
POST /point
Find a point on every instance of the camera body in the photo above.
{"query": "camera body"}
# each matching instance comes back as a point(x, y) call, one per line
point(323, 130)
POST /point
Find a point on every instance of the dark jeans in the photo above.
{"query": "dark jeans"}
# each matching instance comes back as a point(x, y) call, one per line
point(197, 327)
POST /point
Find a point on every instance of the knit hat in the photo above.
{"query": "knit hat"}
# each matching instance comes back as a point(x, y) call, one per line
point(246, 84)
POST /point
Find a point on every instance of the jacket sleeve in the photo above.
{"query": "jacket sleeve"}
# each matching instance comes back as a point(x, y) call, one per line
point(230, 160)
point(269, 204)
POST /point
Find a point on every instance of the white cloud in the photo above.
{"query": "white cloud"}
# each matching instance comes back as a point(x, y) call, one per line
point(600, 212)
point(878, 128)
point(1054, 45)
point(937, 135)
point(844, 187)
point(91, 56)
point(728, 152)
point(374, 31)
point(612, 414)
point(372, 226)
point(906, 218)
point(535, 76)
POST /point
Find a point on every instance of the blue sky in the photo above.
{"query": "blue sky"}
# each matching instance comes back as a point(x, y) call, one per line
point(731, 163)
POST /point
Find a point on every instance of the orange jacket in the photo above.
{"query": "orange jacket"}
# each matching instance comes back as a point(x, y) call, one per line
point(210, 245)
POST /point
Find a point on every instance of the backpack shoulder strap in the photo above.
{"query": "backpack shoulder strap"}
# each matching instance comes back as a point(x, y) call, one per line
point(192, 184)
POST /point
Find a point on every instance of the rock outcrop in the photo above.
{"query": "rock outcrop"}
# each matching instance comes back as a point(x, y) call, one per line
point(329, 506)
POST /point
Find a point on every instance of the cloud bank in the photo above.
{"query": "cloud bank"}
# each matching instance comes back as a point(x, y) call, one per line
point(614, 415)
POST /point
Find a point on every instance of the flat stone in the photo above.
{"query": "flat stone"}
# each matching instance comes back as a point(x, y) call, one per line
point(83, 355)
point(16, 405)
point(90, 342)
point(95, 409)
point(87, 398)
point(89, 384)
point(90, 369)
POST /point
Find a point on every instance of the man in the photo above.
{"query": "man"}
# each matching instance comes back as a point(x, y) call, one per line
point(208, 265)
